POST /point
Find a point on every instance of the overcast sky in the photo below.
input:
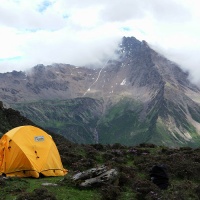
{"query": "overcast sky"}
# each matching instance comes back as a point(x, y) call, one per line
point(80, 32)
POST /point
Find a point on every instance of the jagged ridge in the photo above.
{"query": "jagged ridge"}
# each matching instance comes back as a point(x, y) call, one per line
point(139, 97)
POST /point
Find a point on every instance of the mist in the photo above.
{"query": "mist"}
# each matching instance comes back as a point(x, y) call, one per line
point(187, 58)
point(87, 32)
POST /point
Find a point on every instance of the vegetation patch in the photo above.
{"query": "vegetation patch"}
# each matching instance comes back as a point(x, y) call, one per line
point(133, 164)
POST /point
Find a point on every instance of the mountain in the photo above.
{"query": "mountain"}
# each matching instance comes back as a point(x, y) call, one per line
point(138, 96)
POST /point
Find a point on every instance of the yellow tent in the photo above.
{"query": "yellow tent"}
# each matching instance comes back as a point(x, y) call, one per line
point(29, 151)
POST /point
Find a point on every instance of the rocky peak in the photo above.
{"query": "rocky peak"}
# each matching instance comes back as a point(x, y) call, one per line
point(130, 46)
point(130, 43)
point(39, 68)
point(140, 76)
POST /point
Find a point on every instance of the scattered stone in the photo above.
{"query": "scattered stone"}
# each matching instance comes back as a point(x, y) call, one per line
point(49, 184)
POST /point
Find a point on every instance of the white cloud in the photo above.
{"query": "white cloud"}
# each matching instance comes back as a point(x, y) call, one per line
point(80, 32)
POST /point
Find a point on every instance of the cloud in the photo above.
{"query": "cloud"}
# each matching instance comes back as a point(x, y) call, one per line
point(173, 11)
point(25, 16)
point(83, 32)
point(186, 56)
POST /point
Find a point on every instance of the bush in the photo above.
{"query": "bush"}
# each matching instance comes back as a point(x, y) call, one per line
point(2, 182)
point(109, 192)
point(144, 188)
point(37, 194)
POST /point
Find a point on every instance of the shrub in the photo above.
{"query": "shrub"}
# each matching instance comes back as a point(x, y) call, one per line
point(2, 182)
point(144, 188)
point(37, 194)
point(109, 192)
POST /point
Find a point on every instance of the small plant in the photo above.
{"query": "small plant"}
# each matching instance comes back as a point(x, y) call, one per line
point(37, 194)
point(109, 192)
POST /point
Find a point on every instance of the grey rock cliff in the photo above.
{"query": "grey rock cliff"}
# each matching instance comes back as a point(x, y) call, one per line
point(140, 96)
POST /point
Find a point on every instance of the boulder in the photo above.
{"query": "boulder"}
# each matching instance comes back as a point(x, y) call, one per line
point(95, 177)
point(93, 172)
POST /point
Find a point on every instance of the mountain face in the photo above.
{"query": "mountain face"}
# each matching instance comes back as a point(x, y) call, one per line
point(140, 96)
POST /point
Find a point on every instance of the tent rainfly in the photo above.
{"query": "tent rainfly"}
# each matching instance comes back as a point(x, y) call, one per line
point(27, 151)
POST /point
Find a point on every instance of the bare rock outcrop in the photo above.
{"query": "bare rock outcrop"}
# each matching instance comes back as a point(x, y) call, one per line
point(95, 177)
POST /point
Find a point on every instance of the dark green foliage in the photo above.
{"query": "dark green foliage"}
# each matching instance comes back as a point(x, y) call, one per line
point(132, 162)
point(37, 194)
point(128, 122)
point(109, 192)
point(197, 190)
point(10, 119)
point(98, 146)
point(12, 186)
point(121, 124)
point(133, 165)
point(143, 188)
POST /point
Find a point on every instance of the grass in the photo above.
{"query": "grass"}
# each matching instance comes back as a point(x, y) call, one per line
point(19, 186)
point(74, 118)
point(10, 188)
point(35, 183)
point(117, 129)
point(70, 193)
point(133, 164)
point(126, 122)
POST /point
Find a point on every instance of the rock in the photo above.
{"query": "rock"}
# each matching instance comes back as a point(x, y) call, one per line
point(96, 177)
point(93, 172)
point(107, 177)
point(49, 184)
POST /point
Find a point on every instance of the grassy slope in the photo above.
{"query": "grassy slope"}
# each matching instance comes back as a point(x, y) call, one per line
point(121, 124)
point(133, 164)
point(73, 118)
point(10, 118)
point(80, 118)
point(168, 113)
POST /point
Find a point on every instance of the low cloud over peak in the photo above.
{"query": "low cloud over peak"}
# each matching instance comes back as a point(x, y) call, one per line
point(83, 32)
